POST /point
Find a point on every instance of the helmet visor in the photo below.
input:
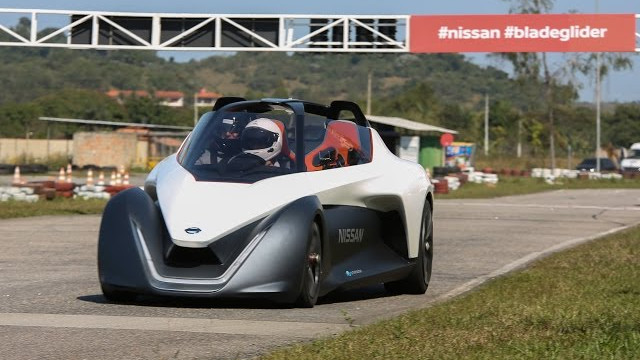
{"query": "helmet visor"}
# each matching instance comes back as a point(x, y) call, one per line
point(254, 138)
point(227, 128)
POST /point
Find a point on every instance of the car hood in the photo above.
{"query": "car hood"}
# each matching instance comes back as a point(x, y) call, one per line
point(197, 213)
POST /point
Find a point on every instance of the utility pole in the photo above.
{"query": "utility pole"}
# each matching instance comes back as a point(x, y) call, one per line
point(48, 141)
point(598, 96)
point(195, 109)
point(26, 151)
point(369, 93)
point(486, 124)
point(519, 148)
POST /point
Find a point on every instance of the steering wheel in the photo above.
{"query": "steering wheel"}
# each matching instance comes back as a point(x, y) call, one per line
point(244, 161)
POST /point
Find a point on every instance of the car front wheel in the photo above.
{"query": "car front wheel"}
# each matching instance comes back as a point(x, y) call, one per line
point(417, 281)
point(312, 269)
point(116, 295)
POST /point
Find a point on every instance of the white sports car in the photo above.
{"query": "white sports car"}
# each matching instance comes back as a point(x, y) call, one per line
point(280, 199)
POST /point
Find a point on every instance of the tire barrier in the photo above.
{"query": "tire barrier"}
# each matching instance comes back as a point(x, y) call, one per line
point(64, 186)
point(6, 169)
point(441, 186)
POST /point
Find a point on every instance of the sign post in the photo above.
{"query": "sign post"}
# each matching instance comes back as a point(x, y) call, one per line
point(445, 140)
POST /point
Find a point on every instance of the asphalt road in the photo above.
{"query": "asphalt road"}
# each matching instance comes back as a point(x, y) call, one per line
point(51, 306)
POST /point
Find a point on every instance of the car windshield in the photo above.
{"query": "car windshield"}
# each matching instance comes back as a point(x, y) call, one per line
point(252, 141)
point(634, 154)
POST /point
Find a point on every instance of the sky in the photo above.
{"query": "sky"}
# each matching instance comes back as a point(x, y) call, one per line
point(621, 86)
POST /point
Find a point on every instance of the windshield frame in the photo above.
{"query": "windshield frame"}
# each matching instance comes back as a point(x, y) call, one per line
point(294, 114)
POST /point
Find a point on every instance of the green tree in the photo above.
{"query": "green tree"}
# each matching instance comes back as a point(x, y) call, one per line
point(281, 91)
point(535, 135)
point(622, 125)
point(148, 110)
point(81, 104)
point(19, 119)
point(537, 67)
point(456, 117)
point(418, 104)
point(503, 127)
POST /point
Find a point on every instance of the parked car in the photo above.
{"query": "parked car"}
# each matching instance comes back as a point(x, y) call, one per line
point(311, 201)
point(631, 163)
point(589, 164)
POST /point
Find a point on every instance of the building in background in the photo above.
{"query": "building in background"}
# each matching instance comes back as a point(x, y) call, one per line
point(411, 140)
point(170, 98)
point(206, 98)
point(165, 97)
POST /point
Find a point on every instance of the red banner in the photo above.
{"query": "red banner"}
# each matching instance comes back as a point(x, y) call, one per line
point(523, 33)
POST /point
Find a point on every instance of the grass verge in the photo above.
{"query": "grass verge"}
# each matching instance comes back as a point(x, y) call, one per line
point(58, 206)
point(523, 185)
point(583, 303)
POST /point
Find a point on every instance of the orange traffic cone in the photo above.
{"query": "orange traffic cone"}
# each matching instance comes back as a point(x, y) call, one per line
point(90, 177)
point(69, 174)
point(16, 175)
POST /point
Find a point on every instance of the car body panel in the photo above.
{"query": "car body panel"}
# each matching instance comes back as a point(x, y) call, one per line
point(381, 185)
point(192, 236)
point(632, 162)
point(589, 164)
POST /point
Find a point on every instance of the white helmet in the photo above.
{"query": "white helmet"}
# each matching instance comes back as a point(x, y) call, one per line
point(262, 137)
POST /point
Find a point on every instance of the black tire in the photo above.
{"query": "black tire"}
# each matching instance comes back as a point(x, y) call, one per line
point(7, 169)
point(439, 171)
point(91, 167)
point(26, 168)
point(417, 281)
point(115, 295)
point(39, 168)
point(312, 269)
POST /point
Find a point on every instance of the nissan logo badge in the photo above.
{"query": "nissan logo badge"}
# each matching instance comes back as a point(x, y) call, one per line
point(192, 230)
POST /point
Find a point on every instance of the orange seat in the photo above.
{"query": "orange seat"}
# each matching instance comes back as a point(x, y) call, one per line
point(286, 151)
point(341, 136)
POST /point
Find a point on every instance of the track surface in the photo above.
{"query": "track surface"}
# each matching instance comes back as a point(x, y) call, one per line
point(51, 306)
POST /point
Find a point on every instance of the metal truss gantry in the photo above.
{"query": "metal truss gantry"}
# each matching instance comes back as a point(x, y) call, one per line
point(209, 32)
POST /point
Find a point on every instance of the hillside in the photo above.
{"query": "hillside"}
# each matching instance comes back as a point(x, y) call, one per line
point(440, 89)
point(31, 73)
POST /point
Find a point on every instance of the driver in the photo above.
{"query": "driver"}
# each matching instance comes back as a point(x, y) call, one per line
point(225, 143)
point(263, 138)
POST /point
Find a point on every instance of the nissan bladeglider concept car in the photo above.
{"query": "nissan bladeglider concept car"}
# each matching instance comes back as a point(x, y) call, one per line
point(278, 199)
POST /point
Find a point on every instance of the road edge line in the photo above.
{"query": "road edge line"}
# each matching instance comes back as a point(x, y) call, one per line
point(526, 260)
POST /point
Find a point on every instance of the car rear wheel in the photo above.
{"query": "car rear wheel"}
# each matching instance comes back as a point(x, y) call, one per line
point(418, 280)
point(312, 269)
